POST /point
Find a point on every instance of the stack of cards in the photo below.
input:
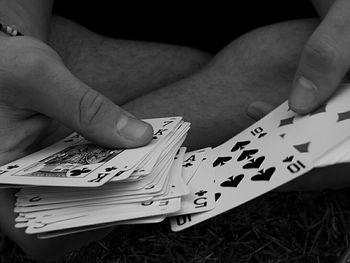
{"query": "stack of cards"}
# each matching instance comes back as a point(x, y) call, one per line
point(75, 183)
point(75, 186)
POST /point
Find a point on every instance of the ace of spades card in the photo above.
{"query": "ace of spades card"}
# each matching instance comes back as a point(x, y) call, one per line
point(201, 184)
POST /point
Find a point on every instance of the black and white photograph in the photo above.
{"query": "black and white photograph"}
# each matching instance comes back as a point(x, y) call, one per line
point(174, 131)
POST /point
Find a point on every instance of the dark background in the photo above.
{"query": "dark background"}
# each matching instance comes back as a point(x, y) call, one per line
point(205, 26)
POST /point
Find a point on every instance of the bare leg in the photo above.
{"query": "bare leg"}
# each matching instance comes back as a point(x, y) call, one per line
point(122, 69)
point(259, 65)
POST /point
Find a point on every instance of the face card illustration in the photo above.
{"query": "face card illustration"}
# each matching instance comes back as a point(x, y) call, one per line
point(75, 161)
point(67, 163)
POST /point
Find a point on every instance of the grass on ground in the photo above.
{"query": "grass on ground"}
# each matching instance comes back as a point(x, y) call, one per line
point(278, 227)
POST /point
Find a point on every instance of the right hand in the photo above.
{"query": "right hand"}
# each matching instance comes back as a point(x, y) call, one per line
point(36, 89)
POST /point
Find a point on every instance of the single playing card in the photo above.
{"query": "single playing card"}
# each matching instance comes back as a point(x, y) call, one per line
point(322, 134)
point(202, 191)
point(192, 162)
point(254, 169)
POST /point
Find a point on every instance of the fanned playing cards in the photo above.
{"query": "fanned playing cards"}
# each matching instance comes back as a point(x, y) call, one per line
point(75, 185)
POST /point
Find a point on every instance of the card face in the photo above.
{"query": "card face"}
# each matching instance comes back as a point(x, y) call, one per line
point(61, 164)
point(75, 161)
point(152, 184)
point(202, 191)
point(192, 161)
point(173, 138)
point(323, 133)
point(250, 169)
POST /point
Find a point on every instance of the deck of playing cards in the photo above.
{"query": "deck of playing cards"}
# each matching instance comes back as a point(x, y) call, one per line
point(75, 185)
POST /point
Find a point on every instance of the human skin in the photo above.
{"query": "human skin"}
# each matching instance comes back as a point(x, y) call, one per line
point(214, 99)
point(148, 65)
point(324, 59)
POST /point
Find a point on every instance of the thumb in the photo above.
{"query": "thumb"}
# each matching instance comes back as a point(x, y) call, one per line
point(65, 98)
point(324, 60)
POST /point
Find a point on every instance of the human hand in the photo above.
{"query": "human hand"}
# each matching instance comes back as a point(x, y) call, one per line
point(324, 61)
point(36, 89)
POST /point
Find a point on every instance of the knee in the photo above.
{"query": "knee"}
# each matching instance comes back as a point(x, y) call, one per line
point(194, 58)
point(269, 46)
point(264, 60)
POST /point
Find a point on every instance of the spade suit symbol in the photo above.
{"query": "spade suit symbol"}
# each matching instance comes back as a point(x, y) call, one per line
point(239, 146)
point(288, 159)
point(262, 135)
point(247, 154)
point(220, 161)
point(232, 182)
point(264, 175)
point(254, 163)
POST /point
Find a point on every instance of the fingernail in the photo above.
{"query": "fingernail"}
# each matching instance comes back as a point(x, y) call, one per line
point(131, 129)
point(304, 94)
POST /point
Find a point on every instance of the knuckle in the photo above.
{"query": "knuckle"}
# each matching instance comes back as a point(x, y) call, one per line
point(322, 52)
point(90, 108)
